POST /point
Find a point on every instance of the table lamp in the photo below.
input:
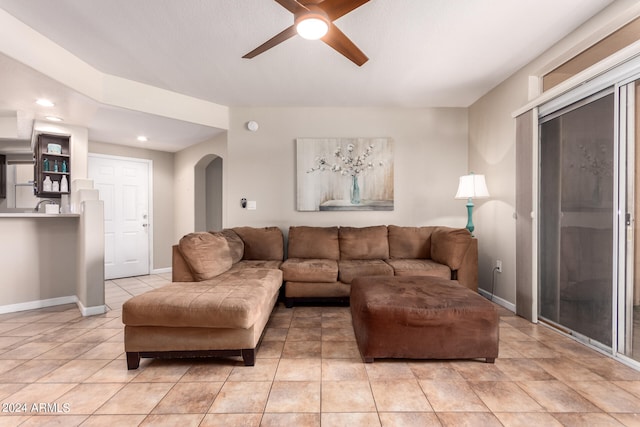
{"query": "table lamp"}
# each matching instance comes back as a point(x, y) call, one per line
point(471, 187)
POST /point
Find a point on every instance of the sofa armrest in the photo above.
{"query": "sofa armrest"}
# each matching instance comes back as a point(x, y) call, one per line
point(450, 245)
point(180, 271)
point(456, 248)
point(467, 273)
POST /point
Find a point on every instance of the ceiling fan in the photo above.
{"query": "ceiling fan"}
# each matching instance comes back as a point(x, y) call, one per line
point(313, 19)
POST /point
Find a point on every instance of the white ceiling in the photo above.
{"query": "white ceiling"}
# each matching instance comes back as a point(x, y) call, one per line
point(423, 53)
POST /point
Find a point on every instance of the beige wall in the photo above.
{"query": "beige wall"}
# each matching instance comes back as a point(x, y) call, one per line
point(163, 200)
point(492, 152)
point(430, 155)
point(492, 147)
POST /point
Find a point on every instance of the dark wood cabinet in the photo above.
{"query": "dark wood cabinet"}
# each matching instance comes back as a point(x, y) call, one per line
point(52, 164)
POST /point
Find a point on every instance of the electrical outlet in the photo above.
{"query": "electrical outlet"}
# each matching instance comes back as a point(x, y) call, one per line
point(499, 265)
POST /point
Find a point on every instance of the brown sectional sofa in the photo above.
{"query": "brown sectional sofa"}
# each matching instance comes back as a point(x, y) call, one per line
point(225, 285)
point(323, 261)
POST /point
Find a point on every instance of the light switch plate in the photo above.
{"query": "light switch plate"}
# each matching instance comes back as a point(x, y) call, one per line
point(251, 205)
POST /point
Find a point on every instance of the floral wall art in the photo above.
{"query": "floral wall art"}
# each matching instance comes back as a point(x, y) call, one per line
point(338, 174)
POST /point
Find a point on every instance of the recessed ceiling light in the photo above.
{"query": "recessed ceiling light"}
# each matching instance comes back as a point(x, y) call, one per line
point(53, 118)
point(44, 103)
point(142, 138)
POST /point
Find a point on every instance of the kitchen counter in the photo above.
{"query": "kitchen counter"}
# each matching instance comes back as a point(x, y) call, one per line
point(36, 215)
point(52, 259)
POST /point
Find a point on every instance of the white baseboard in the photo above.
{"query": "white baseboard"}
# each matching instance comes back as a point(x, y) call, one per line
point(71, 299)
point(161, 270)
point(33, 305)
point(501, 302)
point(91, 311)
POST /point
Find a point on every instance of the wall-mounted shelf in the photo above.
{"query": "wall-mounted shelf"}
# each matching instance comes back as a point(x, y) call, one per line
point(53, 165)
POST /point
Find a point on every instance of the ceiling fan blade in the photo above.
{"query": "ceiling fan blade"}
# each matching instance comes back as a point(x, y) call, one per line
point(337, 8)
point(292, 6)
point(337, 40)
point(273, 41)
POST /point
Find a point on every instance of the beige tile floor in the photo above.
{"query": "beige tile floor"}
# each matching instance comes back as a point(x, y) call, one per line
point(58, 368)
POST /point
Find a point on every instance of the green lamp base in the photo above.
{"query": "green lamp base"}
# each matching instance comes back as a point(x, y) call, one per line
point(470, 226)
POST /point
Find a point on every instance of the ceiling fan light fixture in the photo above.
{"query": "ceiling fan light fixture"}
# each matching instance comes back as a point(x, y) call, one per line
point(314, 19)
point(312, 25)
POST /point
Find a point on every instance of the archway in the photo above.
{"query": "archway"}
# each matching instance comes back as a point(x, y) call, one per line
point(208, 193)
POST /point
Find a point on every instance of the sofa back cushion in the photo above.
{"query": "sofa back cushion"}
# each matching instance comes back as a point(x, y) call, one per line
point(364, 242)
point(313, 243)
point(236, 245)
point(449, 245)
point(265, 243)
point(207, 254)
point(409, 242)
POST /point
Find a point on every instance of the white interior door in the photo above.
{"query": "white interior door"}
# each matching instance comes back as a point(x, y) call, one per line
point(123, 184)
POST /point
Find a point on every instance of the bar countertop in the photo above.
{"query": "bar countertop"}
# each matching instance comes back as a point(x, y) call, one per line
point(36, 215)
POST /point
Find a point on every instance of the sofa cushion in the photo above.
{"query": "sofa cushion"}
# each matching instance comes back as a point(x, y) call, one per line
point(235, 299)
point(257, 263)
point(409, 242)
point(350, 269)
point(449, 245)
point(236, 245)
point(316, 290)
point(313, 242)
point(262, 243)
point(419, 267)
point(206, 254)
point(310, 270)
point(364, 243)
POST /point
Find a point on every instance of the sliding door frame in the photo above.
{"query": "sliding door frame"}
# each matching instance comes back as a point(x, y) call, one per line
point(626, 125)
point(617, 78)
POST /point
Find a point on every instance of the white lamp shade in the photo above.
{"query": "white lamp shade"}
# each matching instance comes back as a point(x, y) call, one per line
point(472, 186)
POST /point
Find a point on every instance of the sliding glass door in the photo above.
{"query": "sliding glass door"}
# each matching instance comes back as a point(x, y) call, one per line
point(589, 222)
point(588, 212)
point(577, 217)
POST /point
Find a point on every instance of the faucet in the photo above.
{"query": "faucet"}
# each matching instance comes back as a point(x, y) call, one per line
point(41, 202)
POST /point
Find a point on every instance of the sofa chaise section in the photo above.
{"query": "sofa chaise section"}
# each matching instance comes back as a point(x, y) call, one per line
point(227, 285)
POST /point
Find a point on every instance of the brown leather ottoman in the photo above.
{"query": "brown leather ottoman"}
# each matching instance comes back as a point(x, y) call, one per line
point(422, 318)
